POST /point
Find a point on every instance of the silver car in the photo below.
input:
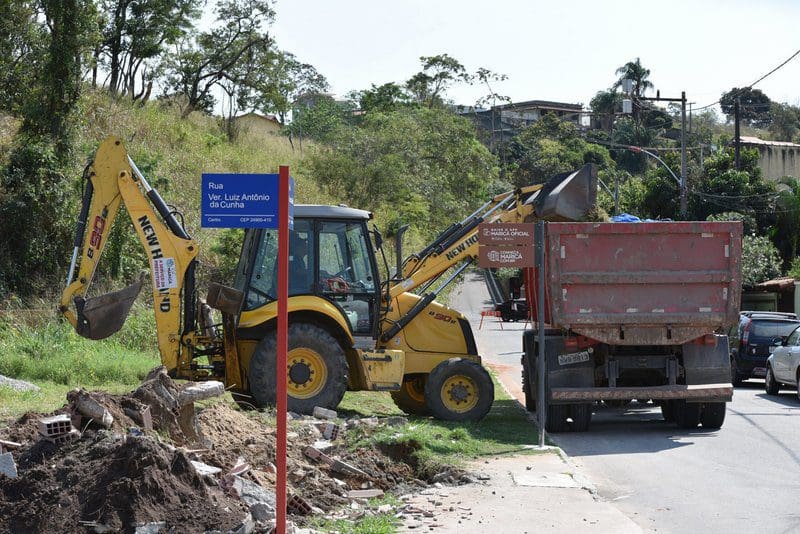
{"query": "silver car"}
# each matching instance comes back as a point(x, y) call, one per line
point(783, 365)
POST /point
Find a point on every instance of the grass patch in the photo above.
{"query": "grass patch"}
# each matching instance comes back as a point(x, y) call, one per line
point(434, 444)
point(55, 358)
point(385, 523)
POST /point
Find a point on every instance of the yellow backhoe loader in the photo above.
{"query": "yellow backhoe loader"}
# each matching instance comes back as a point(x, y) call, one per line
point(348, 329)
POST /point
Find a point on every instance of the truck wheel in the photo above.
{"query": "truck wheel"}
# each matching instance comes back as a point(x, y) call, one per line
point(581, 415)
point(527, 386)
point(411, 396)
point(713, 415)
point(770, 384)
point(459, 390)
point(316, 368)
point(557, 418)
point(668, 410)
point(687, 414)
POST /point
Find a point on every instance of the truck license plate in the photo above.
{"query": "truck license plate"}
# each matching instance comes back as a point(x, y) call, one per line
point(575, 357)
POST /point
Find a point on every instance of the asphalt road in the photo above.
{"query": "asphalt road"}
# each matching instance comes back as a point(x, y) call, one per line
point(744, 477)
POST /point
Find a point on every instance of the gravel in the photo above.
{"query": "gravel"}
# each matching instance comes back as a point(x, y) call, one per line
point(17, 385)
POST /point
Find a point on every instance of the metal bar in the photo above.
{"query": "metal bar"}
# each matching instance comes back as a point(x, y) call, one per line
point(714, 392)
point(283, 347)
point(541, 401)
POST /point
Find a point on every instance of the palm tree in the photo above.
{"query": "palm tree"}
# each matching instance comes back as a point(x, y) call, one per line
point(633, 70)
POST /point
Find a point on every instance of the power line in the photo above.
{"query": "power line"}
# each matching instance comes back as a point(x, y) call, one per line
point(755, 82)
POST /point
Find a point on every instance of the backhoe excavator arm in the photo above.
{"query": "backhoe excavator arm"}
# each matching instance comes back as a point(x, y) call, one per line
point(113, 179)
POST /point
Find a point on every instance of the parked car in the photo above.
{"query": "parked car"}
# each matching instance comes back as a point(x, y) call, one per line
point(750, 342)
point(783, 365)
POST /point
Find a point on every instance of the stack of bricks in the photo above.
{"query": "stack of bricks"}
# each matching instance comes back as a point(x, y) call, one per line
point(57, 429)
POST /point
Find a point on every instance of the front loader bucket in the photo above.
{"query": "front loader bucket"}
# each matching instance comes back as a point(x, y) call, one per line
point(567, 196)
point(99, 317)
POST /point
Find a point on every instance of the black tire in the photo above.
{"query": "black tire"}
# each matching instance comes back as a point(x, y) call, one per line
point(305, 341)
point(668, 410)
point(557, 418)
point(581, 415)
point(713, 415)
point(411, 396)
point(736, 378)
point(687, 414)
point(527, 386)
point(458, 381)
point(771, 385)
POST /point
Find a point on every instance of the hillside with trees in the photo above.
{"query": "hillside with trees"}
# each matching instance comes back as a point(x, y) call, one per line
point(74, 71)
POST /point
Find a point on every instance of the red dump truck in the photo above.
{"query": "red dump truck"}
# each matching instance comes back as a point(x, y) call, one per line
point(632, 312)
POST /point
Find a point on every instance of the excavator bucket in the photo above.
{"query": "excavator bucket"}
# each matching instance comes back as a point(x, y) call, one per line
point(568, 196)
point(99, 317)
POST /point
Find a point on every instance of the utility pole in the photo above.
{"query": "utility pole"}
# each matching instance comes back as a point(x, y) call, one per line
point(736, 138)
point(682, 181)
point(683, 154)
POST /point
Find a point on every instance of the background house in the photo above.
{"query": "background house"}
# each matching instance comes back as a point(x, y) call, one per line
point(776, 159)
point(256, 124)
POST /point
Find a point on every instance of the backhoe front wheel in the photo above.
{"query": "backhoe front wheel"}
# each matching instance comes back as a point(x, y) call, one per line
point(459, 390)
point(411, 396)
point(315, 366)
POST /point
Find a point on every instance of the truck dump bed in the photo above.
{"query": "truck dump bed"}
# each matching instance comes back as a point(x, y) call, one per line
point(651, 283)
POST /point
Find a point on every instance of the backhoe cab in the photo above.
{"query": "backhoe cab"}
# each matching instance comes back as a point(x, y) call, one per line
point(348, 329)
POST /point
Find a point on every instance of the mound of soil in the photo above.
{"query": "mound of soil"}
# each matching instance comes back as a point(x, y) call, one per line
point(114, 481)
point(125, 475)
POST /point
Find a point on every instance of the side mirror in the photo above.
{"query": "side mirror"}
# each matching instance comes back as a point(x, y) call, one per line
point(778, 341)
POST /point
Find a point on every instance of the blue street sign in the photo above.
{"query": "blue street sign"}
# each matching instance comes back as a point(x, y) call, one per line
point(242, 201)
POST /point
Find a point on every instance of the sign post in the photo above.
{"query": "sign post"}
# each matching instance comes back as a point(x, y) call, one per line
point(261, 201)
point(541, 368)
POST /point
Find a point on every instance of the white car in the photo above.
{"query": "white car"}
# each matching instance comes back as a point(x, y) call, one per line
point(783, 365)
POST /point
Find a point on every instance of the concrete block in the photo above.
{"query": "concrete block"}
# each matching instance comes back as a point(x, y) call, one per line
point(64, 438)
point(364, 494)
point(55, 425)
point(331, 431)
point(200, 391)
point(324, 413)
point(317, 455)
point(322, 445)
point(251, 493)
point(297, 505)
point(205, 469)
point(346, 469)
point(7, 465)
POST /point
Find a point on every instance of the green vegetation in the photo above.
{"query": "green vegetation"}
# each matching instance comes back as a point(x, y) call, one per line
point(432, 445)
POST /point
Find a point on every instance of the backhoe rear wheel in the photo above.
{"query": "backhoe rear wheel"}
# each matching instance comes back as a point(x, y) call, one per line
point(411, 396)
point(459, 390)
point(316, 369)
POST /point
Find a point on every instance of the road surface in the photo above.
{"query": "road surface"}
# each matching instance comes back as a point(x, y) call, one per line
point(744, 477)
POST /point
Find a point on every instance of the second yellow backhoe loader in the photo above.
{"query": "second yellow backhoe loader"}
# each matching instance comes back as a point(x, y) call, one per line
point(348, 329)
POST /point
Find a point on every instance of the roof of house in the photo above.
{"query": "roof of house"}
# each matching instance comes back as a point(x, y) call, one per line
point(542, 104)
point(777, 284)
point(271, 118)
point(748, 140)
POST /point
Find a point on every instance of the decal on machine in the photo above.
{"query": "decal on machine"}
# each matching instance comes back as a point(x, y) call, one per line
point(575, 357)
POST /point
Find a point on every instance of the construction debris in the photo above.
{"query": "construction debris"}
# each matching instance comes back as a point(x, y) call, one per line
point(7, 465)
point(86, 405)
point(17, 385)
point(55, 425)
point(324, 413)
point(364, 494)
point(128, 477)
point(200, 391)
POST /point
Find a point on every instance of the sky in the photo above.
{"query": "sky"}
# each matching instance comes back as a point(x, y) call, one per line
point(560, 50)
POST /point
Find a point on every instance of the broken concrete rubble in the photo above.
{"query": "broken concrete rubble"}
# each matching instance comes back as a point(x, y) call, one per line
point(200, 391)
point(7, 465)
point(89, 407)
point(324, 413)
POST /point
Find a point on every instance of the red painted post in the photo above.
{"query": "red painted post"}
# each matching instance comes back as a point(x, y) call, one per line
point(283, 346)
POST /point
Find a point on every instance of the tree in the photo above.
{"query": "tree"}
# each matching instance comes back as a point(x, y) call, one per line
point(23, 45)
point(419, 166)
point(605, 105)
point(630, 132)
point(635, 71)
point(786, 232)
point(280, 79)
point(547, 147)
point(760, 260)
point(438, 73)
point(384, 98)
point(202, 62)
point(320, 121)
point(135, 35)
point(754, 105)
point(785, 121)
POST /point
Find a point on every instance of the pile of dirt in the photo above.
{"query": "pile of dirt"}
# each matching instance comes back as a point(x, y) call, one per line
point(194, 469)
point(115, 481)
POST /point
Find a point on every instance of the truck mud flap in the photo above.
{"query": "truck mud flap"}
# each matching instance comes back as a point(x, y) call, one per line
point(564, 369)
point(707, 364)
